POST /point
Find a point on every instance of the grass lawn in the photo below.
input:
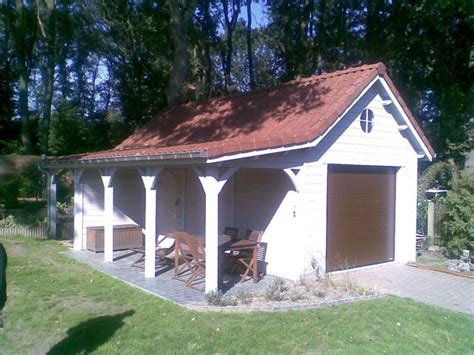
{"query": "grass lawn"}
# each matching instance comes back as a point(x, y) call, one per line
point(59, 306)
point(430, 258)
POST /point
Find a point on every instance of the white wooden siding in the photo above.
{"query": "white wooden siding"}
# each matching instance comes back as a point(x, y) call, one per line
point(128, 196)
point(385, 145)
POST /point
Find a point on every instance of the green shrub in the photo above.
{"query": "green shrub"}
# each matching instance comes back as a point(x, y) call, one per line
point(217, 298)
point(458, 224)
point(244, 297)
point(10, 190)
point(275, 291)
point(8, 222)
point(32, 182)
point(422, 217)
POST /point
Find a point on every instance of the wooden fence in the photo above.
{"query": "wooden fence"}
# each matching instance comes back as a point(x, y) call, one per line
point(31, 232)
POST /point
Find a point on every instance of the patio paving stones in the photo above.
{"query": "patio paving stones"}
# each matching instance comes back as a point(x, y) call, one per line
point(436, 288)
point(163, 285)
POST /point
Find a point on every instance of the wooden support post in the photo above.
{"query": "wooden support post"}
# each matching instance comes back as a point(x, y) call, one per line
point(150, 181)
point(107, 176)
point(79, 239)
point(52, 209)
point(212, 184)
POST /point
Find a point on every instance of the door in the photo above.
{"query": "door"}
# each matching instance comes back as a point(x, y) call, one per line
point(360, 216)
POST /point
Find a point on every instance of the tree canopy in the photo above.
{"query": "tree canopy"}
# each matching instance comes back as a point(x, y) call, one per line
point(80, 75)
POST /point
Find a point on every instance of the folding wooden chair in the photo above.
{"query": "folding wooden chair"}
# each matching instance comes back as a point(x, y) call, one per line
point(198, 263)
point(246, 252)
point(182, 271)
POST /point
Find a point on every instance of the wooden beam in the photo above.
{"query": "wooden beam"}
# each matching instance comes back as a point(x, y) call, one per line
point(79, 240)
point(212, 183)
point(107, 176)
point(150, 181)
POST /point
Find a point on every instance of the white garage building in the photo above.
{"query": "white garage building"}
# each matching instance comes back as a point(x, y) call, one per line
point(326, 166)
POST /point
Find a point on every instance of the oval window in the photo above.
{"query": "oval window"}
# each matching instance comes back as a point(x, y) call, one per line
point(367, 120)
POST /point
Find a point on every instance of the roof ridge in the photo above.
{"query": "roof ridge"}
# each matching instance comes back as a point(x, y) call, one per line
point(379, 66)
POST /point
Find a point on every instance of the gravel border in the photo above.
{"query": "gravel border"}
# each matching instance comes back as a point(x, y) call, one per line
point(283, 307)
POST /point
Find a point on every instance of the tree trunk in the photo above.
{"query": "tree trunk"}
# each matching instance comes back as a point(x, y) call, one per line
point(230, 23)
point(249, 44)
point(207, 49)
point(21, 50)
point(180, 22)
point(50, 39)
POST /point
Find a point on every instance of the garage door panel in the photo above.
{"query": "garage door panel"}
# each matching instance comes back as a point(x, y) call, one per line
point(361, 216)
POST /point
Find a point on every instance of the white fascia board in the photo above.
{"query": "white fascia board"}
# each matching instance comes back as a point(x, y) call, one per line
point(406, 119)
point(311, 144)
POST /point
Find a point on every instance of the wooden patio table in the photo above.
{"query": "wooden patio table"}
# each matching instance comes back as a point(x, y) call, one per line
point(251, 246)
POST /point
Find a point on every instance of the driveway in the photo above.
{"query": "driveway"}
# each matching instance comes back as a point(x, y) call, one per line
point(448, 291)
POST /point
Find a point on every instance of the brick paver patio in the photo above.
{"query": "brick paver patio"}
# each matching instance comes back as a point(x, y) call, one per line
point(163, 285)
point(436, 288)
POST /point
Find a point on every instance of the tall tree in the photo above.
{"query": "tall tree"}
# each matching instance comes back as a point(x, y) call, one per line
point(249, 45)
point(24, 34)
point(46, 15)
point(181, 15)
point(231, 14)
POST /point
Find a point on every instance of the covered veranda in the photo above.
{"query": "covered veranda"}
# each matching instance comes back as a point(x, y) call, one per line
point(203, 199)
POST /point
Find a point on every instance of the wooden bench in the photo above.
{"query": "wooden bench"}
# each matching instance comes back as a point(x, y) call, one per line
point(125, 237)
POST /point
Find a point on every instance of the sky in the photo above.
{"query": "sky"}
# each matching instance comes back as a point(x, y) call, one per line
point(258, 14)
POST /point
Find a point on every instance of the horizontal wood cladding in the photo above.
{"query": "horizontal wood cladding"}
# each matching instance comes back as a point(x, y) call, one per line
point(124, 237)
point(361, 216)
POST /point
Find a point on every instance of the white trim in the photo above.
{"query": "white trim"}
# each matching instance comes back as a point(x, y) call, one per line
point(393, 100)
point(256, 153)
point(149, 177)
point(52, 209)
point(294, 179)
point(107, 176)
point(365, 267)
point(405, 118)
point(79, 240)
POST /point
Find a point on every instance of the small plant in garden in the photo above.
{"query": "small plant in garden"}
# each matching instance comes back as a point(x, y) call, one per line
point(275, 291)
point(8, 222)
point(320, 293)
point(296, 296)
point(244, 297)
point(318, 270)
point(217, 298)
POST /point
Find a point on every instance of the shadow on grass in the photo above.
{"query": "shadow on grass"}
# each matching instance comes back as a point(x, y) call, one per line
point(87, 336)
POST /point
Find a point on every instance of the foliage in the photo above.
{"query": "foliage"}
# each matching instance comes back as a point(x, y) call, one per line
point(27, 213)
point(96, 63)
point(10, 190)
point(91, 312)
point(439, 174)
point(243, 296)
point(32, 182)
point(8, 222)
point(458, 223)
point(422, 217)
point(275, 291)
point(217, 298)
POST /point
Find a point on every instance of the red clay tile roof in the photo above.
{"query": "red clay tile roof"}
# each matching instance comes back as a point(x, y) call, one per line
point(293, 113)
